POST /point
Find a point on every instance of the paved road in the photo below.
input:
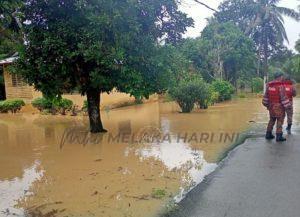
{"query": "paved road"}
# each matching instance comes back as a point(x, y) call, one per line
point(258, 179)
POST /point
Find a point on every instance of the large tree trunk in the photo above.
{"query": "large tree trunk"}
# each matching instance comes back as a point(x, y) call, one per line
point(93, 99)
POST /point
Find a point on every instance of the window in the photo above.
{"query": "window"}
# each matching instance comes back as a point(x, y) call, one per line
point(17, 80)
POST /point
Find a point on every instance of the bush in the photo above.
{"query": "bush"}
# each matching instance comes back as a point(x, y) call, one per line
point(189, 92)
point(214, 97)
point(224, 88)
point(85, 106)
point(204, 95)
point(65, 105)
point(12, 105)
point(242, 95)
point(41, 104)
point(54, 105)
point(257, 85)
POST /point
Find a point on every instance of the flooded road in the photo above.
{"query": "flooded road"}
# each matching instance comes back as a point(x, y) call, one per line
point(152, 156)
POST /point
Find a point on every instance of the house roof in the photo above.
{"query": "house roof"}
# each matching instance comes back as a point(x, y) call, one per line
point(9, 60)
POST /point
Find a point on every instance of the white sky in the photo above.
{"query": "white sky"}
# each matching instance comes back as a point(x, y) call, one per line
point(199, 13)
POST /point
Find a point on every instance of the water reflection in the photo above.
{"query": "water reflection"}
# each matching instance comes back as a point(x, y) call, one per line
point(11, 191)
point(110, 177)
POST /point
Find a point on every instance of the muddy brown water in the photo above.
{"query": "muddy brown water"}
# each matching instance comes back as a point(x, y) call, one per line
point(152, 155)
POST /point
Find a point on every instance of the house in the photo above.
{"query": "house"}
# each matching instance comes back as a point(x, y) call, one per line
point(16, 88)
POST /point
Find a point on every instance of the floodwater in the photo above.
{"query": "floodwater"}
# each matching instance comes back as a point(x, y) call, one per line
point(152, 155)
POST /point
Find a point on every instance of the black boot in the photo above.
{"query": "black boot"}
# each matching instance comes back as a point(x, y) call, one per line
point(280, 138)
point(289, 129)
point(269, 136)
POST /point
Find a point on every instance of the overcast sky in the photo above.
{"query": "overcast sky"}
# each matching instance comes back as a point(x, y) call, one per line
point(199, 13)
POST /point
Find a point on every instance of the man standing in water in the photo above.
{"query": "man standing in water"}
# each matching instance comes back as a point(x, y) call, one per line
point(290, 91)
point(276, 101)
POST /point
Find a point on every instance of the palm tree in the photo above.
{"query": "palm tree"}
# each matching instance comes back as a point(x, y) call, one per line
point(262, 20)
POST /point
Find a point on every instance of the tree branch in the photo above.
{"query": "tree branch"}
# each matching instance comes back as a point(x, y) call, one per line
point(205, 5)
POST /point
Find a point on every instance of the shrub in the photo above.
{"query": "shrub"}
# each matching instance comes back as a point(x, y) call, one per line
point(189, 92)
point(257, 85)
point(12, 105)
point(42, 104)
point(242, 95)
point(158, 193)
point(214, 97)
point(85, 106)
point(65, 105)
point(53, 105)
point(224, 88)
point(204, 95)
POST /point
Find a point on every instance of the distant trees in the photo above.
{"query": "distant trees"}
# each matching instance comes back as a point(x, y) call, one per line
point(98, 45)
point(262, 20)
point(222, 52)
point(297, 47)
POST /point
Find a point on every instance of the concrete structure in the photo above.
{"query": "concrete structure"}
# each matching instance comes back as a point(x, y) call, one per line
point(16, 88)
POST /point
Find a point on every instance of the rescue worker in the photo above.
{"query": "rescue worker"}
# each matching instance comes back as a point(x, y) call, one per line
point(290, 91)
point(276, 102)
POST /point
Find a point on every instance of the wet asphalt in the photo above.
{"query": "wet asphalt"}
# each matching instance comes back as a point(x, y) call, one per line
point(257, 179)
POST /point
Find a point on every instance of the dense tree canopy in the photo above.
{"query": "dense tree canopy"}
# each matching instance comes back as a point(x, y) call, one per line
point(222, 52)
point(97, 45)
point(262, 20)
point(10, 35)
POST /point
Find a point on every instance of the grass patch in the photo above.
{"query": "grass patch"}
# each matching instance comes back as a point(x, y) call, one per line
point(158, 193)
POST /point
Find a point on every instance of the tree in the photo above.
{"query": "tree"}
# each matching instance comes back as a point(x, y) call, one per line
point(10, 35)
point(292, 67)
point(222, 52)
point(262, 20)
point(297, 47)
point(282, 55)
point(96, 46)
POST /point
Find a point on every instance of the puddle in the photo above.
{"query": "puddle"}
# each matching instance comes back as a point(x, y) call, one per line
point(52, 166)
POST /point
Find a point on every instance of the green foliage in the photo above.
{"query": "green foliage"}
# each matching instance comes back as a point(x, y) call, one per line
point(297, 46)
point(99, 45)
point(65, 105)
point(85, 106)
point(224, 88)
point(158, 193)
point(214, 97)
point(230, 54)
point(41, 104)
point(53, 105)
point(114, 46)
point(12, 105)
point(10, 37)
point(262, 21)
point(189, 92)
point(222, 51)
point(242, 95)
point(205, 95)
point(257, 85)
point(292, 67)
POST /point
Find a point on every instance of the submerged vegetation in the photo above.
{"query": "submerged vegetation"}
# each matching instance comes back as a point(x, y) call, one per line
point(12, 105)
point(54, 105)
